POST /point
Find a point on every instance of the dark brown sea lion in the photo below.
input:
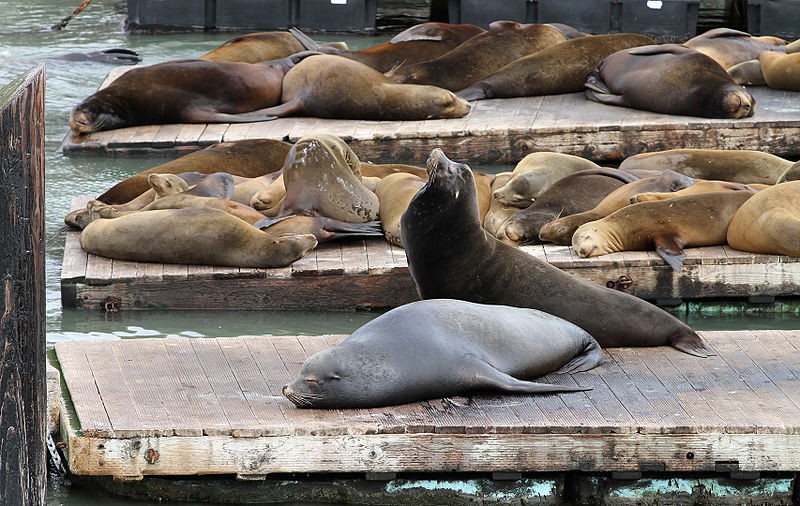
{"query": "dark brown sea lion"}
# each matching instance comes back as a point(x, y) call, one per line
point(478, 57)
point(185, 91)
point(442, 348)
point(736, 165)
point(328, 86)
point(322, 177)
point(263, 46)
point(417, 44)
point(192, 236)
point(451, 256)
point(560, 231)
point(666, 226)
point(114, 56)
point(571, 194)
point(248, 158)
point(670, 79)
point(769, 222)
point(561, 68)
point(729, 47)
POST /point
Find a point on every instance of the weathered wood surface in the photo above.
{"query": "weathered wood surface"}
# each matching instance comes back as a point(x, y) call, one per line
point(23, 410)
point(495, 131)
point(374, 274)
point(214, 406)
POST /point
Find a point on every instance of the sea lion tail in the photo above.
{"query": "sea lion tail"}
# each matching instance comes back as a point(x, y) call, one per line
point(304, 39)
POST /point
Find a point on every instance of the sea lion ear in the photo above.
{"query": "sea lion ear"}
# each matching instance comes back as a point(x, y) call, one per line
point(670, 248)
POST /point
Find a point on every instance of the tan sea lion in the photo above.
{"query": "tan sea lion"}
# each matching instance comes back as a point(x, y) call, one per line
point(269, 197)
point(535, 173)
point(560, 231)
point(244, 191)
point(669, 79)
point(263, 46)
point(192, 236)
point(451, 256)
point(729, 47)
point(328, 86)
point(792, 173)
point(498, 212)
point(561, 68)
point(699, 186)
point(478, 57)
point(736, 165)
point(185, 91)
point(571, 194)
point(769, 222)
point(248, 158)
point(322, 177)
point(419, 43)
point(666, 226)
point(793, 47)
point(747, 73)
point(384, 169)
point(395, 191)
point(781, 71)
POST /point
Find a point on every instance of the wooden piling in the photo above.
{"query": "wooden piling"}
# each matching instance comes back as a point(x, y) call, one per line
point(23, 464)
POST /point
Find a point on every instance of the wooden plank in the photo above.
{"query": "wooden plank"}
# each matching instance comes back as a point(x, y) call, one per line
point(75, 259)
point(379, 257)
point(76, 373)
point(354, 258)
point(98, 269)
point(166, 135)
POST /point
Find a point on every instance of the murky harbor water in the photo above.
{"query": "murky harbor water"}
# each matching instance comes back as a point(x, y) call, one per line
point(25, 40)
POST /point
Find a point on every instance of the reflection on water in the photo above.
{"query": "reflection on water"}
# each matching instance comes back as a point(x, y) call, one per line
point(24, 42)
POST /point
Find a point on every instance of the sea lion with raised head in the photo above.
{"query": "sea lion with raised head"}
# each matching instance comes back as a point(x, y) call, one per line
point(192, 235)
point(329, 86)
point(666, 226)
point(478, 57)
point(561, 68)
point(735, 165)
point(769, 222)
point(451, 256)
point(669, 79)
point(571, 194)
point(185, 91)
point(442, 348)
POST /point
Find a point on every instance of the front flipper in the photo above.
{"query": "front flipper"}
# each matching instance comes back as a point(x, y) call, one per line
point(670, 248)
point(245, 117)
point(489, 378)
point(590, 357)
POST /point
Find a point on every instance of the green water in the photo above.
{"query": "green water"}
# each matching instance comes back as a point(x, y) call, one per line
point(24, 42)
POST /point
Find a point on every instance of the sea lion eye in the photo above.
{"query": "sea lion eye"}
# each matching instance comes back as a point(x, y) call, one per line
point(335, 377)
point(312, 381)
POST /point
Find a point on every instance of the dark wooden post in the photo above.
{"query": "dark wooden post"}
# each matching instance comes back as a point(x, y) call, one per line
point(23, 391)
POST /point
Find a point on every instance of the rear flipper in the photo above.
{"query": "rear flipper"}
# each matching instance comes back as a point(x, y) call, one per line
point(693, 345)
point(346, 230)
point(304, 39)
point(670, 248)
point(489, 378)
point(597, 90)
point(477, 91)
point(590, 357)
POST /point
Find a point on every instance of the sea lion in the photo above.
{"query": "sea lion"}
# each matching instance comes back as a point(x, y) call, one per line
point(571, 194)
point(185, 91)
point(248, 158)
point(114, 56)
point(322, 177)
point(442, 348)
point(394, 192)
point(419, 43)
point(769, 222)
point(793, 47)
point(382, 170)
point(736, 165)
point(561, 68)
point(729, 47)
point(560, 231)
point(747, 73)
point(451, 256)
point(498, 212)
point(269, 197)
point(264, 46)
point(781, 71)
point(535, 173)
point(328, 86)
point(670, 79)
point(699, 186)
point(792, 173)
point(245, 191)
point(666, 226)
point(192, 236)
point(478, 57)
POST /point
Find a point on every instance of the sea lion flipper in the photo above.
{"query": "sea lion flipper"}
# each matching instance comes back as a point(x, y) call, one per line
point(693, 345)
point(344, 229)
point(304, 39)
point(489, 378)
point(590, 357)
point(670, 248)
point(246, 117)
point(660, 49)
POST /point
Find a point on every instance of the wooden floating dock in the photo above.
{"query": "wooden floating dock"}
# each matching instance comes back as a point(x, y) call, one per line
point(149, 407)
point(368, 274)
point(494, 131)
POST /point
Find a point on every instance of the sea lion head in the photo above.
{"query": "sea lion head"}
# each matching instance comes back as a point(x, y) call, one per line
point(335, 378)
point(558, 231)
point(590, 240)
point(95, 113)
point(445, 104)
point(736, 102)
